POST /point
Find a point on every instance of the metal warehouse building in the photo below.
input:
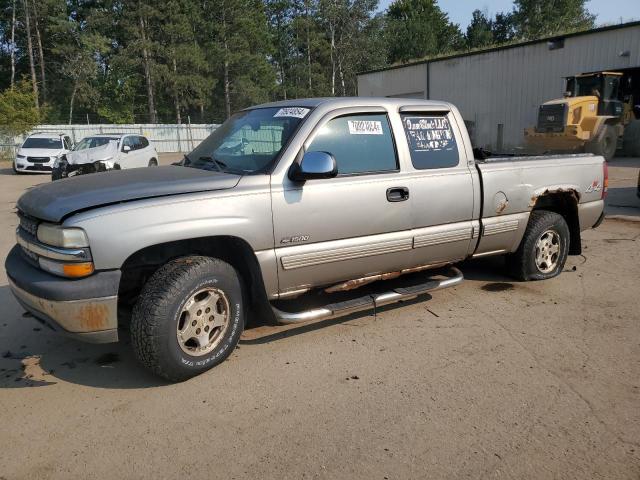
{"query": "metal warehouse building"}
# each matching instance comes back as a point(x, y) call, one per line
point(499, 90)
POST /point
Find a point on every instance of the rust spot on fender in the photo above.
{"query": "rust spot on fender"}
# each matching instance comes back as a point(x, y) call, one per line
point(550, 191)
point(93, 316)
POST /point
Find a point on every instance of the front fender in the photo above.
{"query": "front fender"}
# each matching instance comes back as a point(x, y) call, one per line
point(116, 232)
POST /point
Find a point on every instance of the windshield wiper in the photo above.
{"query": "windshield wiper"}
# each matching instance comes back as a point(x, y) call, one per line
point(220, 165)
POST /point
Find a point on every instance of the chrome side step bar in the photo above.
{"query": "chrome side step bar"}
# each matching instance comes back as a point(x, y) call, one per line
point(366, 302)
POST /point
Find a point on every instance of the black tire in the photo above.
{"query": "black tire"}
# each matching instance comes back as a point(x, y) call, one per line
point(56, 174)
point(153, 162)
point(522, 264)
point(15, 170)
point(159, 310)
point(631, 139)
point(604, 144)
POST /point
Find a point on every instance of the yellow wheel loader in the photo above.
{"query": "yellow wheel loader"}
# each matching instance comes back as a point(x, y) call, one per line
point(600, 113)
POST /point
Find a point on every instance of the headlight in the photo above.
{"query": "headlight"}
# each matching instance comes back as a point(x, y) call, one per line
point(69, 270)
point(60, 160)
point(58, 236)
point(20, 157)
point(54, 158)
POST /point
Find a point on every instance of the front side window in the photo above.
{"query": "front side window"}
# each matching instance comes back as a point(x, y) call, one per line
point(248, 142)
point(432, 143)
point(359, 143)
point(40, 142)
point(128, 142)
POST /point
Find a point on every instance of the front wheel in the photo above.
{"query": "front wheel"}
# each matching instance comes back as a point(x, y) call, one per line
point(604, 144)
point(544, 248)
point(188, 318)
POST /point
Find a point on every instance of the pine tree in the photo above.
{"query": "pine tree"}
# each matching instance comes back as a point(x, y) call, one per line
point(419, 28)
point(479, 32)
point(539, 18)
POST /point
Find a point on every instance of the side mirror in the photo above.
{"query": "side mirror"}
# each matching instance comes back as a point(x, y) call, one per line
point(126, 149)
point(314, 165)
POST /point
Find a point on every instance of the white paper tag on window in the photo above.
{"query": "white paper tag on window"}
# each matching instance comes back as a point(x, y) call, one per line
point(296, 112)
point(365, 127)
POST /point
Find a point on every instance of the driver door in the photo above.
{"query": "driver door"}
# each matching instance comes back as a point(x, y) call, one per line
point(335, 229)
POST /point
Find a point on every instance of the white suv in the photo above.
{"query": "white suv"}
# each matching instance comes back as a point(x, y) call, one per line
point(40, 151)
point(106, 151)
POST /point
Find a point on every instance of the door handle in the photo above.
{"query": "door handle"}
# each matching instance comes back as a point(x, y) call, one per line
point(397, 194)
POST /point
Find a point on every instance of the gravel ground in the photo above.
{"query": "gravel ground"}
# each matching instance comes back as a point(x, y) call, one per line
point(491, 379)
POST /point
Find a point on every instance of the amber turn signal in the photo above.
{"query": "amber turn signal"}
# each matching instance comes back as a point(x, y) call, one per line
point(75, 270)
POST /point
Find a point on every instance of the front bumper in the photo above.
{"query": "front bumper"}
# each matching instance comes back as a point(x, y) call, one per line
point(86, 309)
point(33, 167)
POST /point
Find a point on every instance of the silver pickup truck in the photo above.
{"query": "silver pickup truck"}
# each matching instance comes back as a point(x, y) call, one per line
point(317, 194)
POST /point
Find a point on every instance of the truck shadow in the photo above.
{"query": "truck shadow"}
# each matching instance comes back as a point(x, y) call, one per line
point(31, 355)
point(488, 270)
point(622, 201)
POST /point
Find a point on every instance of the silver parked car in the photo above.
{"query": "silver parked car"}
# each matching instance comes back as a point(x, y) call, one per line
point(281, 199)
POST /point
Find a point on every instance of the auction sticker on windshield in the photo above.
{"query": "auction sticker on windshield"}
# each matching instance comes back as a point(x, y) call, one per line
point(296, 112)
point(365, 127)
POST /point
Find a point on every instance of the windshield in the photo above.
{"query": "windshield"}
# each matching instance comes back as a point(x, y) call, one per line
point(93, 142)
point(248, 142)
point(587, 86)
point(39, 142)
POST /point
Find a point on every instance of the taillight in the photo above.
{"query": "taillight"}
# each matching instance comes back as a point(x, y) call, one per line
point(605, 182)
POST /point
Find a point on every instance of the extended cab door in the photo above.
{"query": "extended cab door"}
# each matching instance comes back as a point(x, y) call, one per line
point(350, 226)
point(443, 185)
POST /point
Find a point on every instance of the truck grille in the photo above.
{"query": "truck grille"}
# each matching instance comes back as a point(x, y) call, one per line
point(28, 224)
point(552, 118)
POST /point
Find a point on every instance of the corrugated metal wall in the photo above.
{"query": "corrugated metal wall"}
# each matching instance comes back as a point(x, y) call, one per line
point(408, 82)
point(506, 86)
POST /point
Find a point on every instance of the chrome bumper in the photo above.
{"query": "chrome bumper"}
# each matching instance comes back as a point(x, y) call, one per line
point(93, 320)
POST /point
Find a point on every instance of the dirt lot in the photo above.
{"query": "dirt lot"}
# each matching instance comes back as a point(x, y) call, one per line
point(492, 379)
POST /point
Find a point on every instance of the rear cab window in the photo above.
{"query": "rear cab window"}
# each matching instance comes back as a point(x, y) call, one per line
point(431, 139)
point(360, 143)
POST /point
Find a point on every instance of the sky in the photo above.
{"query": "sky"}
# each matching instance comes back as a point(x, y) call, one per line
point(607, 11)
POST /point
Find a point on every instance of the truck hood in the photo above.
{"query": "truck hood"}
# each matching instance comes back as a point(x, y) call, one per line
point(54, 201)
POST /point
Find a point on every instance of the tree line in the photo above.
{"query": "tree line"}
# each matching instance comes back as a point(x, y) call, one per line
point(125, 61)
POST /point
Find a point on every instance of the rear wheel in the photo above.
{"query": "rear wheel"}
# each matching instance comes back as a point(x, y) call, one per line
point(543, 250)
point(188, 318)
point(605, 143)
point(153, 163)
point(631, 139)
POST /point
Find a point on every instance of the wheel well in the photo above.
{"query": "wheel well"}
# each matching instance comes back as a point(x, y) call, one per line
point(141, 265)
point(565, 204)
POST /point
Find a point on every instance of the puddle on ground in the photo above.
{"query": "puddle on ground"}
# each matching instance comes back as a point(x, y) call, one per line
point(497, 287)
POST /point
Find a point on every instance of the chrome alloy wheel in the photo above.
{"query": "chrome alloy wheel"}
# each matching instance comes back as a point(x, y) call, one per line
point(203, 321)
point(548, 251)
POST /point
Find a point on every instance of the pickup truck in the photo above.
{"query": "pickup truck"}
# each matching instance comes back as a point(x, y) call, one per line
point(283, 198)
